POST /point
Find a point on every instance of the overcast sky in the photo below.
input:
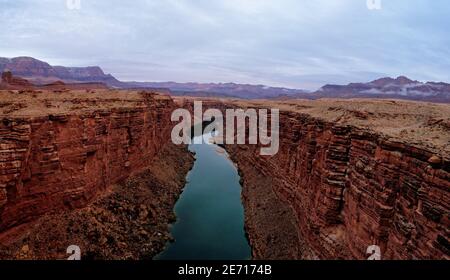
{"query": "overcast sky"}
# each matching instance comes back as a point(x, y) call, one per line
point(291, 43)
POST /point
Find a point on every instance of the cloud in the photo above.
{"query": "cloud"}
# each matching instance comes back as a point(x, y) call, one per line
point(294, 43)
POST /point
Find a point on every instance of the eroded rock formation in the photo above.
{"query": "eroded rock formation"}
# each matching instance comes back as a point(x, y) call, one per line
point(349, 185)
point(349, 174)
point(12, 82)
point(62, 151)
point(128, 221)
point(351, 189)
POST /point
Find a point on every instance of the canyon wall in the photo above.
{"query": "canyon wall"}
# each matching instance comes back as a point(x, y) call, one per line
point(350, 188)
point(333, 190)
point(347, 188)
point(50, 162)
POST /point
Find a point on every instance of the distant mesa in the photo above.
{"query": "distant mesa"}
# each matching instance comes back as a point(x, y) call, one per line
point(55, 84)
point(402, 80)
point(43, 74)
point(12, 82)
point(398, 88)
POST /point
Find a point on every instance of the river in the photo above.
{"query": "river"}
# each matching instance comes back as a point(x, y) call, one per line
point(210, 215)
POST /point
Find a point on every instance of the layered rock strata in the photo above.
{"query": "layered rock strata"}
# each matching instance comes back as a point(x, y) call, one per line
point(349, 178)
point(58, 151)
point(128, 221)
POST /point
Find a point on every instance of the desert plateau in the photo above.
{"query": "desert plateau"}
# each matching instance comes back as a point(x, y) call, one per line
point(96, 167)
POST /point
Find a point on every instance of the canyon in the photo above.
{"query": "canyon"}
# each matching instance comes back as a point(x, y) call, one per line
point(53, 159)
point(62, 151)
point(349, 174)
point(351, 187)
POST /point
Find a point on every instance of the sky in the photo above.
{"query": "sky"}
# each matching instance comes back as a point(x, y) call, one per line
point(291, 43)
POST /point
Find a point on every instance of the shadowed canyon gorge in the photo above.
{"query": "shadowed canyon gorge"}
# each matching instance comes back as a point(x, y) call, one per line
point(97, 168)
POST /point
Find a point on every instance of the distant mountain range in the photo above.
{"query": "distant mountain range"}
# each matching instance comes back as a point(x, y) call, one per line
point(221, 89)
point(39, 72)
point(399, 88)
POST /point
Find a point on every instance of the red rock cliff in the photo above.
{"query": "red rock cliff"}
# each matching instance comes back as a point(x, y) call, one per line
point(61, 161)
point(350, 186)
point(9, 81)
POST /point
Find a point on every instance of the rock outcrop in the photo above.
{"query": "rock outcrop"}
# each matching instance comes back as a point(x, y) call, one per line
point(127, 222)
point(12, 82)
point(348, 175)
point(351, 189)
point(58, 157)
point(348, 185)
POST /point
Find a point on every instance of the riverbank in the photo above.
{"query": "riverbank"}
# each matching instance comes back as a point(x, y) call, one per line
point(129, 221)
point(269, 222)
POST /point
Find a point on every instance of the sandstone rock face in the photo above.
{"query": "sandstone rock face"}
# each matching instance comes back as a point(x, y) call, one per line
point(104, 230)
point(61, 161)
point(351, 189)
point(342, 187)
point(27, 66)
point(80, 73)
